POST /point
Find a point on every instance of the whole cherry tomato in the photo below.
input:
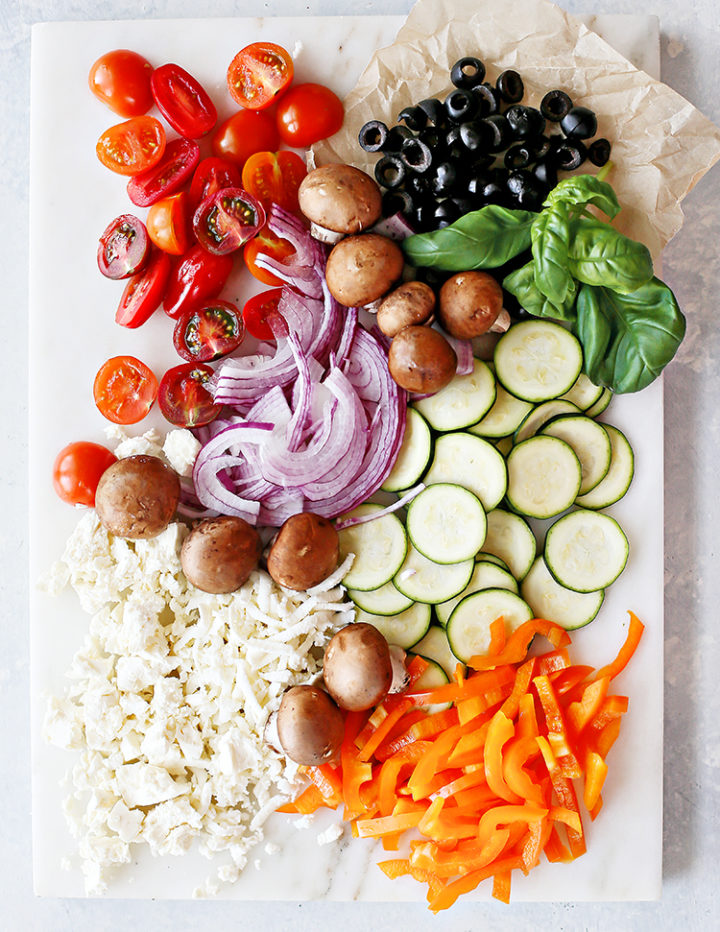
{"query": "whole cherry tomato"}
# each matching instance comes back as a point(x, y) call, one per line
point(167, 176)
point(243, 133)
point(133, 146)
point(266, 243)
point(124, 247)
point(256, 310)
point(124, 389)
point(199, 276)
point(258, 74)
point(168, 224)
point(77, 470)
point(208, 332)
point(183, 396)
point(121, 80)
point(144, 291)
point(183, 101)
point(227, 219)
point(212, 174)
point(274, 178)
point(308, 113)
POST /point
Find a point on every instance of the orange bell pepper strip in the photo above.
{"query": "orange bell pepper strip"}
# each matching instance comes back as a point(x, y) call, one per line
point(516, 754)
point(388, 825)
point(329, 781)
point(477, 685)
point(500, 731)
point(581, 712)
point(426, 726)
point(501, 886)
point(448, 893)
point(595, 772)
point(557, 732)
point(390, 771)
point(309, 801)
point(395, 867)
point(504, 815)
point(382, 730)
point(354, 771)
point(465, 782)
point(521, 685)
point(470, 747)
point(535, 843)
point(517, 644)
point(498, 637)
point(527, 724)
point(553, 662)
point(627, 650)
point(554, 849)
point(565, 680)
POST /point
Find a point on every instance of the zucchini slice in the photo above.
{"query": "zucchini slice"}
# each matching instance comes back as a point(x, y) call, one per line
point(379, 547)
point(537, 360)
point(486, 575)
point(548, 599)
point(463, 402)
point(435, 646)
point(446, 523)
point(504, 417)
point(544, 476)
point(468, 628)
point(541, 415)
point(471, 462)
point(422, 580)
point(590, 443)
point(403, 629)
point(414, 454)
point(584, 393)
point(619, 476)
point(601, 404)
point(385, 600)
point(586, 551)
point(509, 537)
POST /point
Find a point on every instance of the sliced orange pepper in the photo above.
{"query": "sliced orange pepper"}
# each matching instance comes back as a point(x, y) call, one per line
point(516, 754)
point(500, 731)
point(625, 653)
point(517, 644)
point(595, 772)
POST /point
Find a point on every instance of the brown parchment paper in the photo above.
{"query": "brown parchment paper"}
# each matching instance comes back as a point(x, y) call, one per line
point(661, 144)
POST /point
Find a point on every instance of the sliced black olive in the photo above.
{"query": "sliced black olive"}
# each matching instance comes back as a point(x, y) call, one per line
point(539, 146)
point(569, 155)
point(396, 137)
point(579, 123)
point(554, 105)
point(418, 185)
point(546, 173)
point(511, 87)
point(518, 156)
point(433, 138)
point(500, 132)
point(373, 136)
point(454, 146)
point(475, 136)
point(477, 182)
point(444, 179)
point(434, 110)
point(461, 105)
point(489, 99)
point(390, 171)
point(494, 193)
point(467, 73)
point(525, 122)
point(416, 155)
point(422, 215)
point(396, 202)
point(445, 213)
point(599, 151)
point(481, 161)
point(414, 118)
point(526, 190)
point(464, 204)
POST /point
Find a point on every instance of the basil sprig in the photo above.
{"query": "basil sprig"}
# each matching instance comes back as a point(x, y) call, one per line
point(582, 271)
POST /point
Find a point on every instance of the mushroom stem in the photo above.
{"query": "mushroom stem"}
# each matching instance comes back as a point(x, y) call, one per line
point(501, 323)
point(401, 678)
point(323, 235)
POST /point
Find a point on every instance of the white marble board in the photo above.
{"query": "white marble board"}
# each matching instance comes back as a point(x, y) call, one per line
point(72, 332)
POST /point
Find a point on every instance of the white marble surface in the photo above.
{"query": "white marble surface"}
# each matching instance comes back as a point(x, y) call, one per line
point(689, 53)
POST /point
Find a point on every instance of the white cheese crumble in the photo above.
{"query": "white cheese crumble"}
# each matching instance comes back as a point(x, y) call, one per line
point(170, 695)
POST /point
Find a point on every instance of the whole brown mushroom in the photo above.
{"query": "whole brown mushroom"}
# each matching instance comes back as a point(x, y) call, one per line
point(305, 551)
point(421, 360)
point(470, 303)
point(409, 304)
point(310, 726)
point(339, 200)
point(137, 496)
point(357, 667)
point(220, 553)
point(362, 269)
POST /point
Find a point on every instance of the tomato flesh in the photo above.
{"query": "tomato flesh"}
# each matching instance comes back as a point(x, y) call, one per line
point(183, 101)
point(168, 224)
point(199, 276)
point(183, 397)
point(167, 176)
point(244, 133)
point(77, 470)
point(124, 247)
point(258, 74)
point(124, 389)
point(211, 175)
point(266, 243)
point(256, 310)
point(307, 114)
point(227, 219)
point(274, 178)
point(132, 147)
point(144, 291)
point(121, 80)
point(205, 333)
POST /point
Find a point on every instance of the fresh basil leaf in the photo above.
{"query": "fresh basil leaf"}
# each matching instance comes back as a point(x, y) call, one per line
point(521, 284)
point(550, 234)
point(628, 339)
point(581, 190)
point(482, 239)
point(600, 255)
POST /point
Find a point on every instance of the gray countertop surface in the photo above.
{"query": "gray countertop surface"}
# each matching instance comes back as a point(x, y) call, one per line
point(690, 37)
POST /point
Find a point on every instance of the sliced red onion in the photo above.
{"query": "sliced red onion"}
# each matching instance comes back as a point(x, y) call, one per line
point(395, 227)
point(395, 506)
point(464, 352)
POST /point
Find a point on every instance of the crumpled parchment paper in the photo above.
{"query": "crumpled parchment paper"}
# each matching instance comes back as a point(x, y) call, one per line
point(661, 144)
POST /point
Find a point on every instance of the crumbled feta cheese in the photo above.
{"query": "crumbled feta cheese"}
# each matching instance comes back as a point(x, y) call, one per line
point(181, 449)
point(332, 833)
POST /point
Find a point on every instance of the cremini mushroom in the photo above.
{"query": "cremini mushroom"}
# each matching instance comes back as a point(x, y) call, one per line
point(362, 269)
point(409, 304)
point(470, 304)
point(339, 200)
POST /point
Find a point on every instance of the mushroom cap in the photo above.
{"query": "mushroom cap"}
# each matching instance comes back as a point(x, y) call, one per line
point(469, 304)
point(340, 198)
point(361, 269)
point(409, 304)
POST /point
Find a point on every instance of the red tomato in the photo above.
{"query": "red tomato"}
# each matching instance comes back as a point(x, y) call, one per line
point(124, 247)
point(183, 101)
point(267, 243)
point(133, 146)
point(274, 178)
point(167, 176)
point(205, 333)
point(244, 133)
point(168, 224)
point(256, 311)
point(121, 80)
point(77, 470)
point(307, 114)
point(199, 276)
point(211, 175)
point(227, 219)
point(124, 389)
point(258, 74)
point(144, 291)
point(183, 397)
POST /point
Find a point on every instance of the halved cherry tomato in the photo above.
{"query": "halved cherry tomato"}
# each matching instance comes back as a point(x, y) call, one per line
point(183, 101)
point(244, 133)
point(168, 224)
point(124, 247)
point(144, 291)
point(256, 311)
point(168, 176)
point(212, 174)
point(258, 74)
point(199, 276)
point(133, 146)
point(267, 243)
point(205, 333)
point(274, 178)
point(307, 114)
point(121, 80)
point(124, 389)
point(227, 219)
point(183, 397)
point(77, 470)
